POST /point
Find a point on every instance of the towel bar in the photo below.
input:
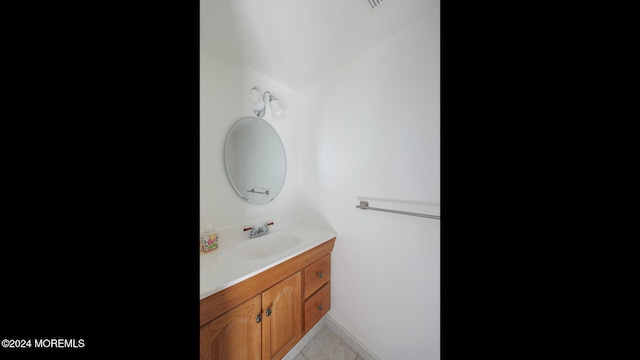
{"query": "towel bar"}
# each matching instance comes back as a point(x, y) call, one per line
point(364, 205)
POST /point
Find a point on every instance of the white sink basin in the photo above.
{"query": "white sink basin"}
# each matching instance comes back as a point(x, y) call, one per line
point(267, 245)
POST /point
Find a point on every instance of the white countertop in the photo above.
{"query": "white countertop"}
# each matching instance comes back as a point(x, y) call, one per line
point(226, 266)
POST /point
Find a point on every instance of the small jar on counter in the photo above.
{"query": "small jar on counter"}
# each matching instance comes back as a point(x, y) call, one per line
point(208, 241)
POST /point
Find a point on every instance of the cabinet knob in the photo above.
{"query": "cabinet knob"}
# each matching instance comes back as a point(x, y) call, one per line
point(259, 318)
point(319, 307)
point(268, 312)
point(319, 273)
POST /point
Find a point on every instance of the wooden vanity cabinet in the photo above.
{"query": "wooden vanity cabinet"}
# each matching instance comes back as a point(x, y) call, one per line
point(265, 327)
point(234, 335)
point(263, 317)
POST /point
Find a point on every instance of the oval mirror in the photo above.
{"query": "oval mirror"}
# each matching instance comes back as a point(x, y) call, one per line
point(255, 160)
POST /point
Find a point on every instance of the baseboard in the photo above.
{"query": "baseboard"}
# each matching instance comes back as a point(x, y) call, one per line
point(337, 329)
point(349, 339)
point(305, 339)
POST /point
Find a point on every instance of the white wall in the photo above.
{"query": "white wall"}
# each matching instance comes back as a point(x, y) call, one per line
point(372, 132)
point(224, 89)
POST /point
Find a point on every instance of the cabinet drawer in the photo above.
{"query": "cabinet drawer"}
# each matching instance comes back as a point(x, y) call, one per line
point(316, 275)
point(316, 306)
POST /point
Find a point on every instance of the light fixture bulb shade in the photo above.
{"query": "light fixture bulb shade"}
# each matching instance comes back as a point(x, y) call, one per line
point(255, 95)
point(256, 105)
point(276, 109)
point(255, 99)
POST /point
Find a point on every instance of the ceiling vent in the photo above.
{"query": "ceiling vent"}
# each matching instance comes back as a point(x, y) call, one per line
point(372, 5)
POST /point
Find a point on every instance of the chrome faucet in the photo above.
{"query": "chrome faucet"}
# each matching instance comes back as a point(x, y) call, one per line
point(259, 231)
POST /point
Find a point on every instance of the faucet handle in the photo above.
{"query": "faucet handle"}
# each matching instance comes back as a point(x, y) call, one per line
point(254, 231)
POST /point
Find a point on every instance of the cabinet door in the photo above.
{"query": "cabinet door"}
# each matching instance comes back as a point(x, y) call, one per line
point(233, 336)
point(282, 320)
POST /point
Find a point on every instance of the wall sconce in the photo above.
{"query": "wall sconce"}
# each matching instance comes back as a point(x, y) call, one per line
point(257, 103)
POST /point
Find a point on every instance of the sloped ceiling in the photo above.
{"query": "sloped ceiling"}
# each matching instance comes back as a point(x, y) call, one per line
point(300, 42)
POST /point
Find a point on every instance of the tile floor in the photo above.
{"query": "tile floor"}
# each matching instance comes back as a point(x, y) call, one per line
point(326, 345)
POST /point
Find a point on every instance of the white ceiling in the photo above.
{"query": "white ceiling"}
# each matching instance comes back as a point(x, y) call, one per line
point(300, 42)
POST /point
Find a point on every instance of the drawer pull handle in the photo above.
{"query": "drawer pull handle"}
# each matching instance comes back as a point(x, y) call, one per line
point(259, 318)
point(319, 307)
point(268, 311)
point(319, 273)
